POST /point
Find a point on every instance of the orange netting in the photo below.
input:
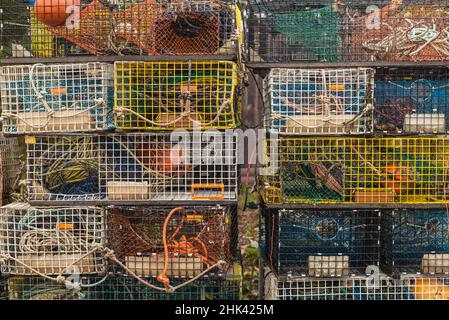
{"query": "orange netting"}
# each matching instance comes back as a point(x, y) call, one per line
point(402, 33)
point(93, 32)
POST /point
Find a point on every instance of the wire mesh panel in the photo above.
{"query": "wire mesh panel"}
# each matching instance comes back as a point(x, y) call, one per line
point(169, 95)
point(415, 241)
point(225, 287)
point(10, 156)
point(159, 167)
point(320, 101)
point(57, 98)
point(331, 31)
point(412, 100)
point(357, 171)
point(169, 243)
point(4, 294)
point(132, 168)
point(41, 28)
point(51, 241)
point(322, 243)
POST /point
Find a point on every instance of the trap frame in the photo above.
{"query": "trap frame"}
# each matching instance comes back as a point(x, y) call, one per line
point(321, 243)
point(176, 95)
point(57, 98)
point(356, 171)
point(122, 287)
point(347, 31)
point(169, 243)
point(51, 241)
point(320, 101)
point(118, 28)
point(412, 100)
point(415, 241)
point(132, 168)
point(357, 288)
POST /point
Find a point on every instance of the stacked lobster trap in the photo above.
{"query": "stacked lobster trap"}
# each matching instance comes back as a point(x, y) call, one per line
point(131, 180)
point(354, 175)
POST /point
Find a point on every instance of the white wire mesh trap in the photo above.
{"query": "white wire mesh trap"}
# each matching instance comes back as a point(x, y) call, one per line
point(51, 241)
point(378, 287)
point(57, 98)
point(133, 167)
point(320, 101)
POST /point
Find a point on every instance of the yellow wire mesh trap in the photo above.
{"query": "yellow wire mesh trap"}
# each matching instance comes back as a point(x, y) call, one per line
point(51, 241)
point(357, 170)
point(181, 95)
point(168, 243)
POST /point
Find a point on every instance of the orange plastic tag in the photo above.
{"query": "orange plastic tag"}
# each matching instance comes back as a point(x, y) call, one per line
point(64, 226)
point(185, 88)
point(57, 91)
point(335, 87)
point(194, 218)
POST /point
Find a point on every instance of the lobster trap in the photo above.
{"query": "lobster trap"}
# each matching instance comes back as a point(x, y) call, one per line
point(320, 101)
point(356, 171)
point(357, 288)
point(321, 243)
point(167, 243)
point(122, 287)
point(415, 241)
point(412, 100)
point(133, 168)
point(176, 95)
point(10, 163)
point(349, 31)
point(51, 241)
point(57, 98)
point(125, 27)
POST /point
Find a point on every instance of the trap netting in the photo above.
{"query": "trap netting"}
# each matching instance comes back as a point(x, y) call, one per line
point(176, 95)
point(415, 241)
point(356, 170)
point(320, 101)
point(122, 287)
point(42, 28)
point(132, 168)
point(168, 243)
point(321, 243)
point(412, 100)
point(57, 98)
point(51, 241)
point(358, 288)
point(338, 31)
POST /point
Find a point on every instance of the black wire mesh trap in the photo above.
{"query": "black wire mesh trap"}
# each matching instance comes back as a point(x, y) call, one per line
point(51, 241)
point(57, 98)
point(42, 28)
point(320, 101)
point(132, 168)
point(412, 100)
point(407, 170)
point(10, 164)
point(167, 243)
point(415, 241)
point(120, 287)
point(358, 288)
point(338, 31)
point(321, 243)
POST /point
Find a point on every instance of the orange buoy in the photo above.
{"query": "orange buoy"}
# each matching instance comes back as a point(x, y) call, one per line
point(54, 12)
